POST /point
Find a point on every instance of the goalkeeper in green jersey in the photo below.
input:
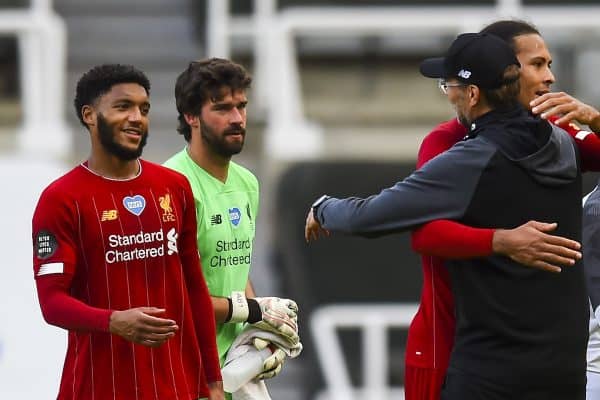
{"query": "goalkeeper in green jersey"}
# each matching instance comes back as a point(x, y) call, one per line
point(211, 101)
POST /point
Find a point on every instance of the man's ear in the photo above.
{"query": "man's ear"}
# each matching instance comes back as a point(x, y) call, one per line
point(89, 115)
point(474, 95)
point(192, 120)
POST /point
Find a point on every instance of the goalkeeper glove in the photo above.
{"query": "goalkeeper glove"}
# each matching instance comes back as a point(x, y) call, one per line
point(274, 363)
point(279, 316)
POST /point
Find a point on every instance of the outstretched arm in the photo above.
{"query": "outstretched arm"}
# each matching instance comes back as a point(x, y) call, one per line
point(442, 189)
point(529, 244)
point(440, 139)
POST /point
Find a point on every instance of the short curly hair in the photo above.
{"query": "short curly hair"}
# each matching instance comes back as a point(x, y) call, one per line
point(509, 29)
point(100, 79)
point(204, 80)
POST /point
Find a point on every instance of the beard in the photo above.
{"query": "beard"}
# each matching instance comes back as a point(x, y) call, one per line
point(107, 139)
point(464, 121)
point(218, 143)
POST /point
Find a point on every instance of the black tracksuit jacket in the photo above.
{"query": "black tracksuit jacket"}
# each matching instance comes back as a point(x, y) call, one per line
point(516, 326)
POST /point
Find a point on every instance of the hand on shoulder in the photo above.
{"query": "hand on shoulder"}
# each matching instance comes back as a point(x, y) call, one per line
point(568, 107)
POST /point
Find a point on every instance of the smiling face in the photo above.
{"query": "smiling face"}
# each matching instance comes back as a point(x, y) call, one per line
point(119, 120)
point(535, 60)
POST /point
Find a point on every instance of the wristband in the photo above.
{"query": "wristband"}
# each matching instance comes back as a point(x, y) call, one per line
point(239, 307)
point(229, 310)
point(316, 205)
point(254, 311)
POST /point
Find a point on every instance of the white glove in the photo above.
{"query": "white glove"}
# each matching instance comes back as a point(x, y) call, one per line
point(274, 363)
point(277, 304)
point(279, 316)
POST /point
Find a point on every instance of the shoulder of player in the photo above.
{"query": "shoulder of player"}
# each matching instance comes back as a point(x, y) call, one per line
point(168, 173)
point(450, 130)
point(64, 189)
point(472, 153)
point(149, 166)
point(439, 140)
point(176, 161)
point(243, 173)
point(66, 183)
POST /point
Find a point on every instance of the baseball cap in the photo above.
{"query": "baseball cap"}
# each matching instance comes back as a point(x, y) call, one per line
point(473, 58)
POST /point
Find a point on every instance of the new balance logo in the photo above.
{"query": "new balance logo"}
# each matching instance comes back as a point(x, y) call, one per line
point(109, 215)
point(216, 219)
point(465, 74)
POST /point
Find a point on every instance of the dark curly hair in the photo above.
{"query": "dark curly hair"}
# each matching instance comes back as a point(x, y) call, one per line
point(100, 79)
point(204, 80)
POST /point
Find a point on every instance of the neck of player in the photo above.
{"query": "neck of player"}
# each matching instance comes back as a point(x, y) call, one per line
point(110, 166)
point(215, 164)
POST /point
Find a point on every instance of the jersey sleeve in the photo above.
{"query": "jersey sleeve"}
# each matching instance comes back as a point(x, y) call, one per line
point(444, 238)
point(452, 240)
point(54, 230)
point(61, 309)
point(442, 189)
point(201, 304)
point(587, 142)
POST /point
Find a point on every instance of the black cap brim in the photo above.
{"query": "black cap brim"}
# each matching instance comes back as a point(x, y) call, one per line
point(433, 67)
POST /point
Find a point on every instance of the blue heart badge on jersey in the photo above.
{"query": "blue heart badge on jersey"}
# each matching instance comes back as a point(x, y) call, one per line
point(135, 204)
point(235, 216)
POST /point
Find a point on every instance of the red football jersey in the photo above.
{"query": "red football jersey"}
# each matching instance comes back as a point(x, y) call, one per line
point(123, 244)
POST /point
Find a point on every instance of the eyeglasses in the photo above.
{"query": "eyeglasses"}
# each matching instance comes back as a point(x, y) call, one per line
point(443, 85)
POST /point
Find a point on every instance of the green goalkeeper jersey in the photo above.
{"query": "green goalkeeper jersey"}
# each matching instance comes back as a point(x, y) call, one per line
point(226, 214)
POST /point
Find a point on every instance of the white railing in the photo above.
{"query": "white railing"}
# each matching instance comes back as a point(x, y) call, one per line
point(277, 83)
point(222, 28)
point(374, 320)
point(41, 36)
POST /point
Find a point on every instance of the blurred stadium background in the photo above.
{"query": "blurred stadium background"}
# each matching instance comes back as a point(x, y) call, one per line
point(338, 107)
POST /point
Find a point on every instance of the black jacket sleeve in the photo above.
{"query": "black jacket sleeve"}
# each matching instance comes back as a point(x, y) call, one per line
point(442, 189)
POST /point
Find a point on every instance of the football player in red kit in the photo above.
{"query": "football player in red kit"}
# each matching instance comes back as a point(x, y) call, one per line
point(116, 262)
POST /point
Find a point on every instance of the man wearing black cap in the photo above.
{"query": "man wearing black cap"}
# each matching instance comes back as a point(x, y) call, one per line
point(521, 333)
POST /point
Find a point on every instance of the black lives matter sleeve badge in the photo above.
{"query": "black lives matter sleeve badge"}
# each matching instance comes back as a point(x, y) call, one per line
point(45, 244)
